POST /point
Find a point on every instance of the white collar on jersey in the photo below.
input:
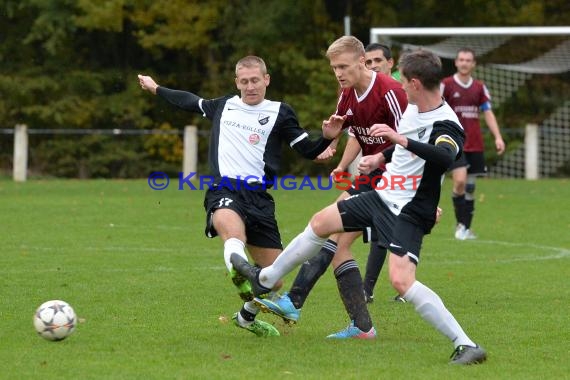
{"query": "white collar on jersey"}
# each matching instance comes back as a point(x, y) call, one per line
point(460, 83)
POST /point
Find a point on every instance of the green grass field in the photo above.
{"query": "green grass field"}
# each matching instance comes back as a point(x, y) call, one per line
point(154, 299)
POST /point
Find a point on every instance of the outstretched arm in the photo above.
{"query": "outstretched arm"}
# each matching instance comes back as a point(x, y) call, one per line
point(443, 152)
point(181, 99)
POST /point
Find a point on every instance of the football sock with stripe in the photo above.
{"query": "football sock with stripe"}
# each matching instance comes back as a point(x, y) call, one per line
point(349, 282)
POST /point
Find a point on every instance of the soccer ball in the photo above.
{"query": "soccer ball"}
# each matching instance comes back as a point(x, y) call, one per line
point(55, 320)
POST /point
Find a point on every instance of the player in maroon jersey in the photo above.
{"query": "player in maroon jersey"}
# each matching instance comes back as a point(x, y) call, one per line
point(468, 96)
point(366, 98)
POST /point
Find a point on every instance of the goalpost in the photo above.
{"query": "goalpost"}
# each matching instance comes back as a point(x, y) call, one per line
point(540, 148)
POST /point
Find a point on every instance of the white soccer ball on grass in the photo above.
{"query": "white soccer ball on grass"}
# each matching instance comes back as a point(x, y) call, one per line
point(55, 320)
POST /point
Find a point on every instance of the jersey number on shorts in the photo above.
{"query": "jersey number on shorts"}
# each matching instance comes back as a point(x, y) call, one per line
point(225, 202)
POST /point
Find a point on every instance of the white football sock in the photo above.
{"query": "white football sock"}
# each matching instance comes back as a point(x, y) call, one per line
point(431, 308)
point(302, 248)
point(233, 245)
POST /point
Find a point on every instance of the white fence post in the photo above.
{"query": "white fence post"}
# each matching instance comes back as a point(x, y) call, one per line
point(190, 150)
point(531, 157)
point(20, 170)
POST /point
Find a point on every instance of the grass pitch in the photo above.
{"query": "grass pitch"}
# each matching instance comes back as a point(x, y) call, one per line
point(154, 300)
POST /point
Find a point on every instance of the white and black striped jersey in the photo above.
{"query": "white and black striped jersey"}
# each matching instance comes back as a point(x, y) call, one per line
point(246, 141)
point(414, 175)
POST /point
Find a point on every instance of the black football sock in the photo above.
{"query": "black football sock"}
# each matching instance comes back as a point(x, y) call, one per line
point(459, 208)
point(349, 282)
point(310, 272)
point(376, 258)
point(470, 209)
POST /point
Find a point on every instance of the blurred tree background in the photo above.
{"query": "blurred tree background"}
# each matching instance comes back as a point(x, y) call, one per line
point(72, 64)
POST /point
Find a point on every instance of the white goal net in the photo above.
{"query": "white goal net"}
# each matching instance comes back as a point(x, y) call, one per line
point(527, 71)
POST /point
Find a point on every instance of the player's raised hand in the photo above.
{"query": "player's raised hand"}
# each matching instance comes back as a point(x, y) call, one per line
point(147, 83)
point(333, 126)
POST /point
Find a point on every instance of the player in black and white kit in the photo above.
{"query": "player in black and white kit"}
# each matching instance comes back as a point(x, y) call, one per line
point(245, 147)
point(428, 140)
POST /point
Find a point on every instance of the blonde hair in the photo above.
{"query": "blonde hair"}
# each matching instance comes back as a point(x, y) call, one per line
point(251, 61)
point(346, 44)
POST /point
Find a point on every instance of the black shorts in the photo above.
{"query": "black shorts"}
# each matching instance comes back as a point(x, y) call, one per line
point(475, 162)
point(368, 234)
point(399, 234)
point(362, 186)
point(256, 208)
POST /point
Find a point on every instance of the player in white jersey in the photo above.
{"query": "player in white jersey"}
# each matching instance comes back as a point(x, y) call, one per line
point(245, 149)
point(429, 139)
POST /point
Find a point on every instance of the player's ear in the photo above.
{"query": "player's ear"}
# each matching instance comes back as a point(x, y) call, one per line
point(237, 82)
point(267, 80)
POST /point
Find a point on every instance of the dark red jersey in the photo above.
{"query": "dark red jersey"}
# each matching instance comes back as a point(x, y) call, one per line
point(466, 101)
point(384, 102)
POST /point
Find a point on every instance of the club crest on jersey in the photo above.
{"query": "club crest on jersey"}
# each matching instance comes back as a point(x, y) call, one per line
point(421, 132)
point(254, 139)
point(263, 119)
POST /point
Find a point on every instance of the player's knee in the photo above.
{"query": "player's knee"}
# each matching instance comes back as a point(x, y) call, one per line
point(401, 281)
point(470, 188)
point(318, 224)
point(322, 224)
point(459, 187)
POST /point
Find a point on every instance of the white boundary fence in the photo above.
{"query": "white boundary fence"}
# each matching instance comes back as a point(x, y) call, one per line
point(190, 156)
point(21, 133)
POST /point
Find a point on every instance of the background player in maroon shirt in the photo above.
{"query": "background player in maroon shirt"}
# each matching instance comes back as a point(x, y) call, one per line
point(366, 98)
point(468, 96)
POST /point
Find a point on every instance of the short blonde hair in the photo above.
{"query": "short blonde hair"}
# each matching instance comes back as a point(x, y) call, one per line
point(251, 61)
point(346, 44)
